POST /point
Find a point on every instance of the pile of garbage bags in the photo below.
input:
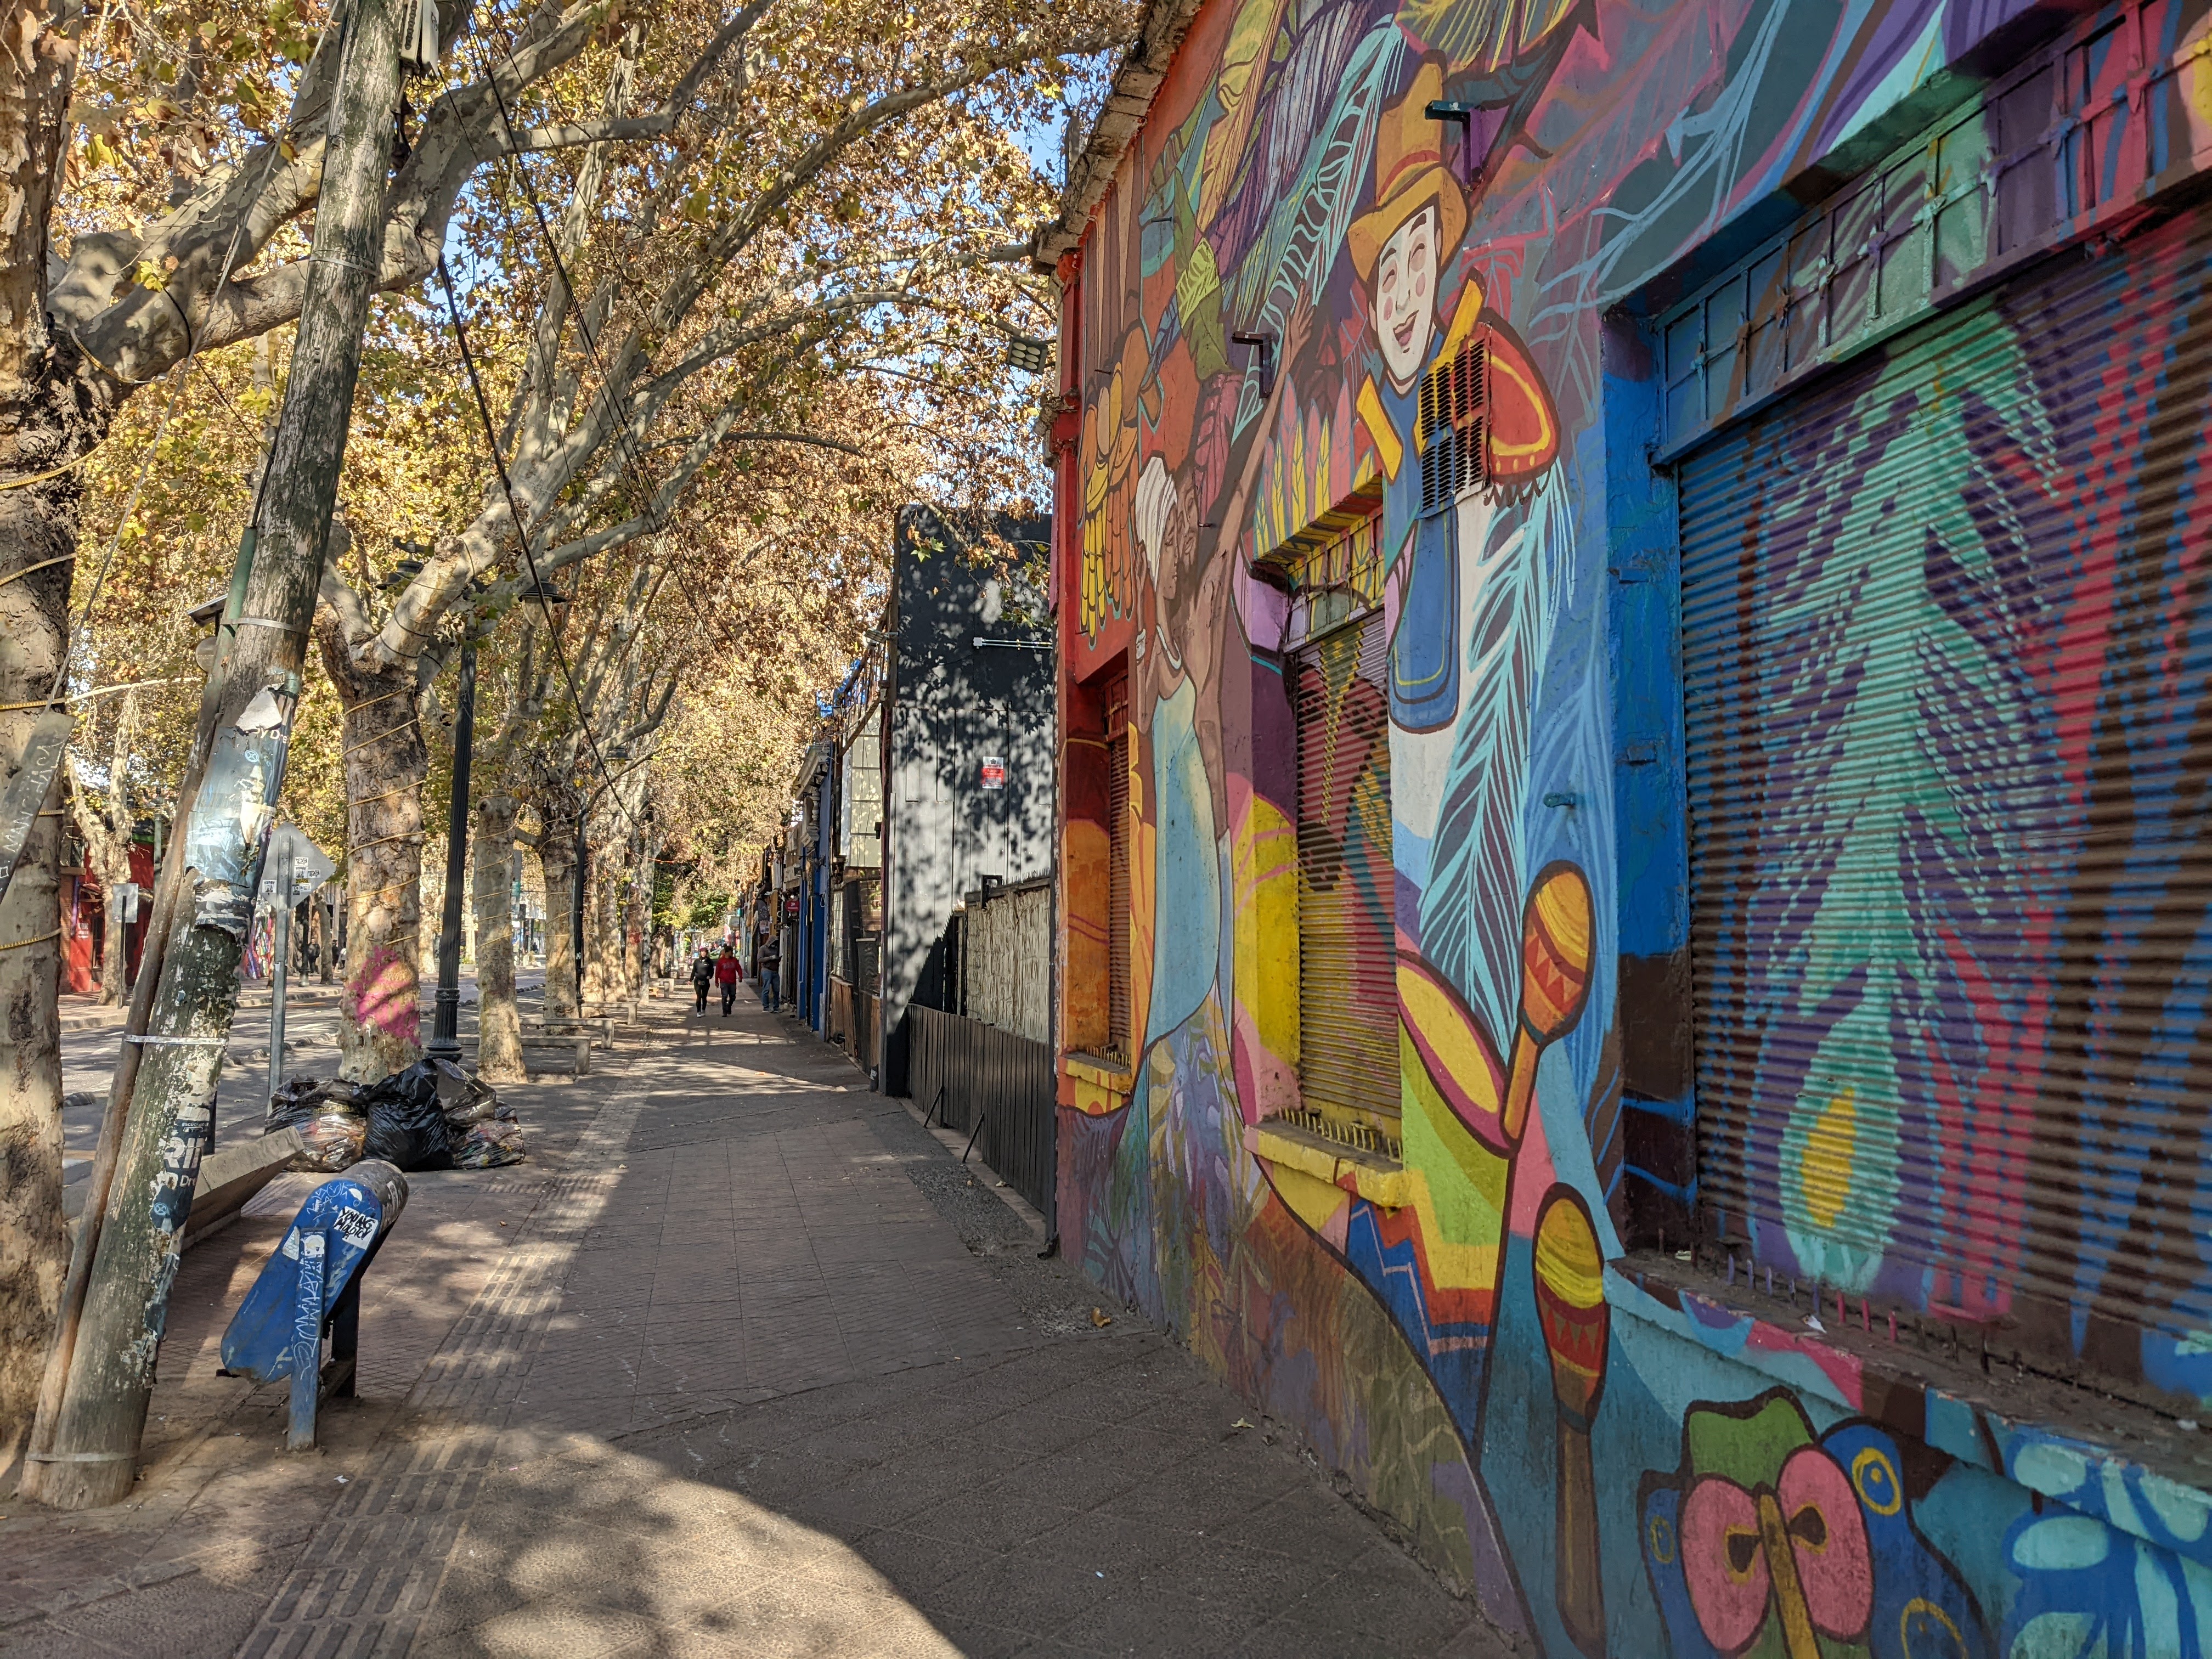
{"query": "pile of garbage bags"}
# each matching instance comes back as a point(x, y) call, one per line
point(433, 1115)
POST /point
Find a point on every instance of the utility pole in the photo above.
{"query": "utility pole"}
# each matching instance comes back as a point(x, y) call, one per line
point(84, 1449)
point(445, 1020)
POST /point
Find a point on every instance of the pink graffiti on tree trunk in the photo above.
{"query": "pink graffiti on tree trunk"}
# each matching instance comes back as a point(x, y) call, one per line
point(381, 995)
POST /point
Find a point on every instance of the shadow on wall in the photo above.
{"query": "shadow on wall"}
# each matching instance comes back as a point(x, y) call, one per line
point(971, 740)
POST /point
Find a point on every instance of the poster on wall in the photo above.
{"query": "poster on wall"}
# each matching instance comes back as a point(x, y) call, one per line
point(994, 772)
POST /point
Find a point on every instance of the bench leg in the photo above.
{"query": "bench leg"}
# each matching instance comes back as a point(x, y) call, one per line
point(306, 1345)
point(345, 1332)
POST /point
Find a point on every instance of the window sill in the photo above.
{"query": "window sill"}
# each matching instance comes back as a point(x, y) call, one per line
point(1102, 1086)
point(1114, 1075)
point(2086, 1450)
point(1370, 1175)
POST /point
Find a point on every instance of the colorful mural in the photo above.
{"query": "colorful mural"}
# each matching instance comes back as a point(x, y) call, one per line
point(1339, 335)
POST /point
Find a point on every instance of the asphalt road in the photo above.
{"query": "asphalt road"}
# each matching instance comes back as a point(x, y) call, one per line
point(311, 1045)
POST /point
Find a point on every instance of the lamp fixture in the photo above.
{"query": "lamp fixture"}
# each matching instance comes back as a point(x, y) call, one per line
point(1265, 345)
point(1462, 115)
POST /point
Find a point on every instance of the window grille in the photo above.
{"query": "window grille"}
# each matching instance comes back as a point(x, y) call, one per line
point(1454, 405)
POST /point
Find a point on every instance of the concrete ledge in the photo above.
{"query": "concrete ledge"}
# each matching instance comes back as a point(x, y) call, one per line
point(577, 1049)
point(229, 1178)
point(1374, 1178)
point(233, 1175)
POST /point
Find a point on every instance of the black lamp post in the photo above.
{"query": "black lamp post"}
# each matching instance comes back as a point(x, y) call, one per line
point(446, 1017)
point(445, 1021)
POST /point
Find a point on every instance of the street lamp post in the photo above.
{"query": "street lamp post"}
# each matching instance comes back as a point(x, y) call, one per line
point(445, 1021)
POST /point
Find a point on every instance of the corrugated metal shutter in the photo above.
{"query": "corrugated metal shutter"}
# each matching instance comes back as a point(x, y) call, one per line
point(1347, 979)
point(1947, 629)
point(1117, 867)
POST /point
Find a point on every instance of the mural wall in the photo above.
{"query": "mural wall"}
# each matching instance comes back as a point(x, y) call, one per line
point(1328, 200)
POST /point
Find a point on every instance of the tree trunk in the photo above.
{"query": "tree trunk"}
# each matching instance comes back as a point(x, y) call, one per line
point(108, 855)
point(633, 943)
point(386, 762)
point(33, 1240)
point(556, 857)
point(602, 952)
point(87, 1449)
point(114, 949)
point(38, 527)
point(326, 940)
point(53, 407)
point(499, 1020)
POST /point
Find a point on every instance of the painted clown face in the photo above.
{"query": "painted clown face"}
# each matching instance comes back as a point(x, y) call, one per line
point(1770, 1539)
point(1782, 1565)
point(1406, 297)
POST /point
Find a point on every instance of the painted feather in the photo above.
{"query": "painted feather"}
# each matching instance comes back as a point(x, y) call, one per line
point(1471, 914)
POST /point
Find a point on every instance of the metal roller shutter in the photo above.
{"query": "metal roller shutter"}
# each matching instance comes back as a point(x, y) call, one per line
point(1947, 627)
point(1117, 869)
point(1347, 979)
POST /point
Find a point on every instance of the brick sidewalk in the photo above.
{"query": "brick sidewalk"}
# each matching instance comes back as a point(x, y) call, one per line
point(753, 1368)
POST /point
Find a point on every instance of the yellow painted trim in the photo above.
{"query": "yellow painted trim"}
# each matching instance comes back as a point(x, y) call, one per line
point(1375, 1179)
point(1100, 1073)
point(1465, 315)
point(1389, 446)
point(1313, 1201)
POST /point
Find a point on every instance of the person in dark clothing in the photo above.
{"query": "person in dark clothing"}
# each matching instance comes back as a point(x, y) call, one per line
point(703, 975)
point(771, 972)
point(726, 975)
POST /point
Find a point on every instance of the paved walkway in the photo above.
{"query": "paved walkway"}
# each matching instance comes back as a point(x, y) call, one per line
point(744, 1363)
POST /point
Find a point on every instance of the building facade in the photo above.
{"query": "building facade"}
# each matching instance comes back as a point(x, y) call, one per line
point(1633, 913)
point(969, 754)
point(856, 908)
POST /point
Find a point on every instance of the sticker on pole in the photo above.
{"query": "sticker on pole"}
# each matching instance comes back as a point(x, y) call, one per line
point(994, 772)
point(354, 1227)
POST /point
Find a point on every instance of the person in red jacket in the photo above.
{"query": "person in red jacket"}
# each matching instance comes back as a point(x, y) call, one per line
point(726, 978)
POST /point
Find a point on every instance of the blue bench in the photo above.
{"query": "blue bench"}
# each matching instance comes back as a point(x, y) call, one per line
point(310, 1289)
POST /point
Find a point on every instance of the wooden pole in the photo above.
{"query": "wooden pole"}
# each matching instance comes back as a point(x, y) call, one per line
point(88, 1449)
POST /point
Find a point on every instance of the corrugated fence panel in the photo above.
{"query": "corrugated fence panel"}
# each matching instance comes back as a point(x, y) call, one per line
point(1948, 659)
point(980, 1080)
point(1348, 971)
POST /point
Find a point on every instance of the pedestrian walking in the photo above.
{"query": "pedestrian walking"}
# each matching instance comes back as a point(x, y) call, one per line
point(771, 972)
point(703, 975)
point(726, 975)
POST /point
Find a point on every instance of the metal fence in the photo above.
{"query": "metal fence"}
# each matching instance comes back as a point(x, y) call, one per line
point(855, 1017)
point(988, 1083)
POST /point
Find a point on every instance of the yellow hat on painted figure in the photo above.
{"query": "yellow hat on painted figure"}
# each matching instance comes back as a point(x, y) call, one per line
point(1409, 175)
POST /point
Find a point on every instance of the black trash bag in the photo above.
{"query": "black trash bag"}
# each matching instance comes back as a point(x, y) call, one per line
point(295, 1101)
point(330, 1142)
point(406, 1119)
point(468, 1104)
point(490, 1144)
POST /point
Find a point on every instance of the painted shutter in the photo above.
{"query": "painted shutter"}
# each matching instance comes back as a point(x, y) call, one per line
point(1948, 625)
point(1347, 979)
point(1118, 1044)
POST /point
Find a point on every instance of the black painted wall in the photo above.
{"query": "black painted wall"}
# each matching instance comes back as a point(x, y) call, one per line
point(951, 705)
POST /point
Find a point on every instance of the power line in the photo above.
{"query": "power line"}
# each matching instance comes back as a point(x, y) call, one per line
point(623, 441)
point(522, 532)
